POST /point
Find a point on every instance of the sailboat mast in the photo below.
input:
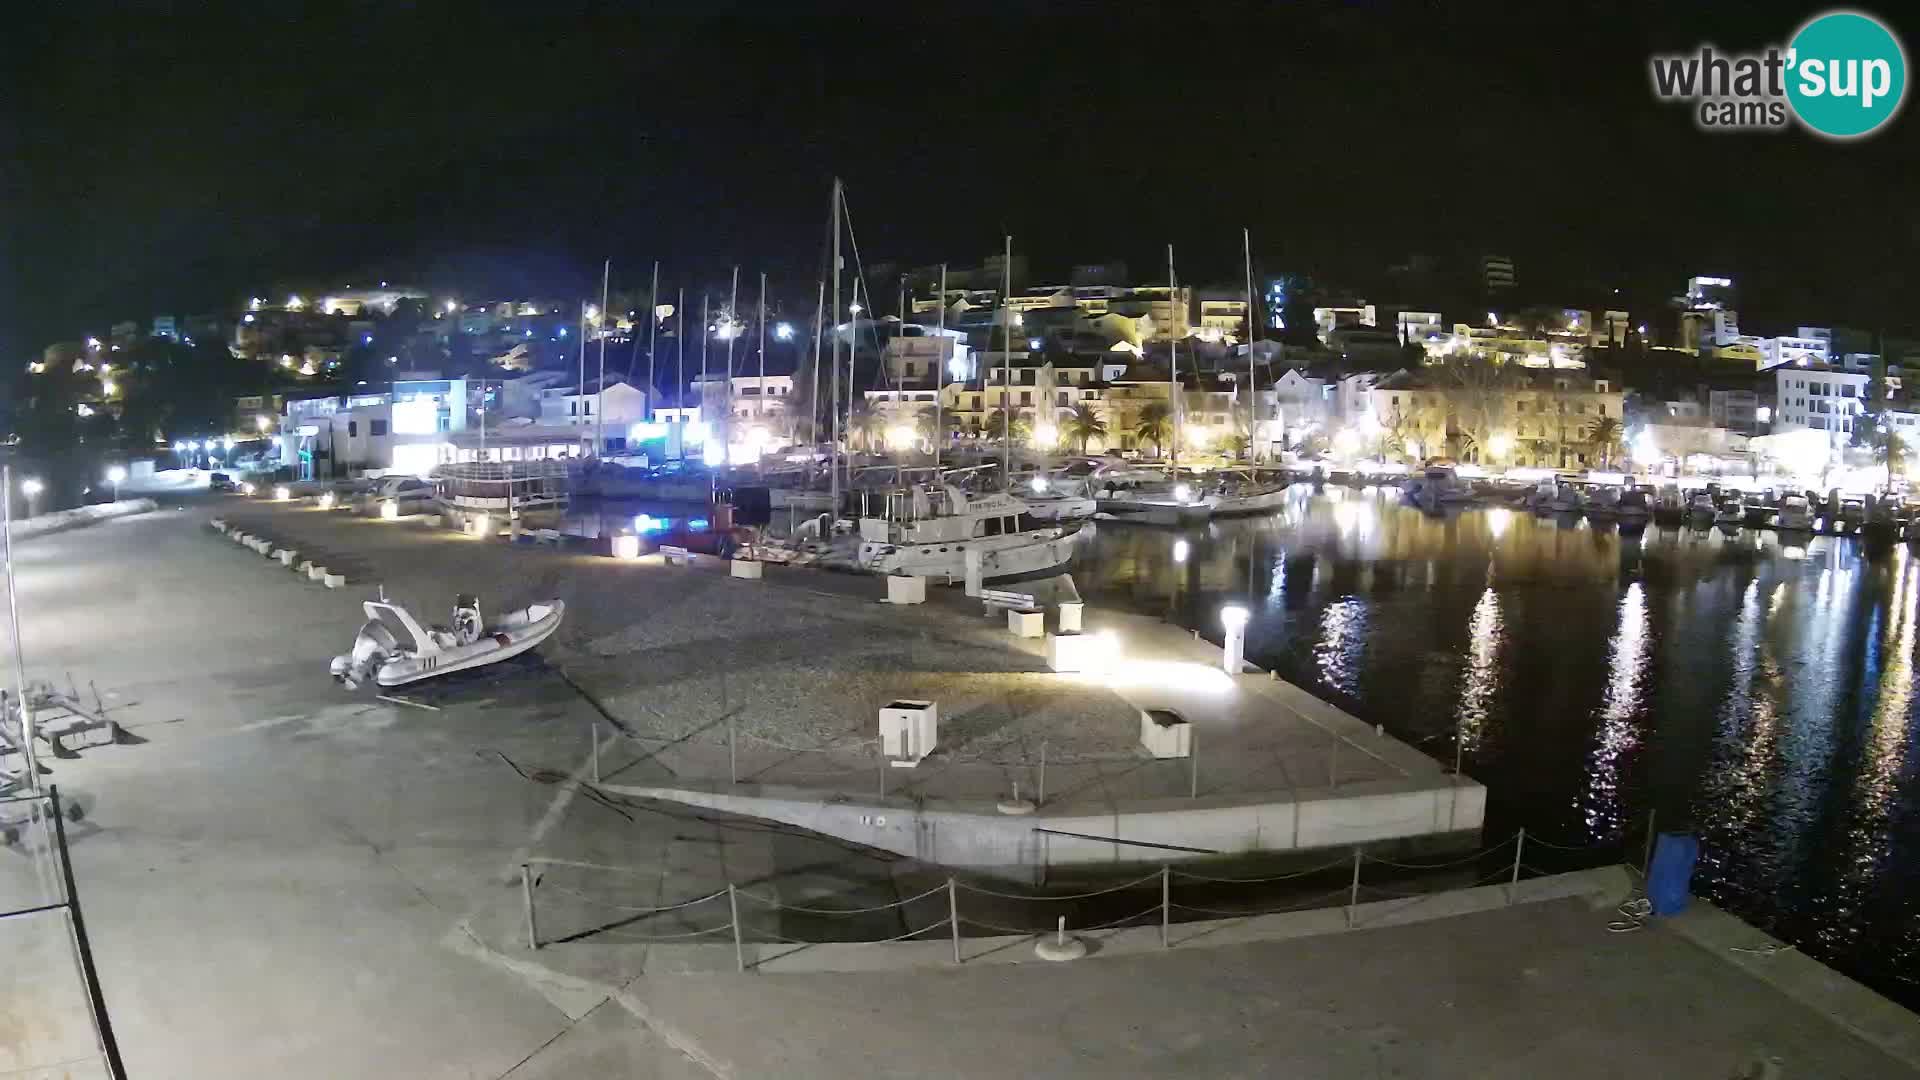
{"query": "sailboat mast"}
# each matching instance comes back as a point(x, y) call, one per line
point(580, 390)
point(1173, 363)
point(1006, 365)
point(733, 331)
point(760, 407)
point(600, 394)
point(680, 362)
point(653, 323)
point(940, 374)
point(835, 321)
point(813, 399)
point(1253, 386)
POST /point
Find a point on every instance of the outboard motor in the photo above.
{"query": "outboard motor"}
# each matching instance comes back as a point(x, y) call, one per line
point(466, 618)
point(371, 648)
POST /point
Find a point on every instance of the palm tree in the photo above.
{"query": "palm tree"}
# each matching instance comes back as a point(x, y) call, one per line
point(1018, 429)
point(867, 424)
point(1604, 432)
point(1084, 425)
point(1155, 425)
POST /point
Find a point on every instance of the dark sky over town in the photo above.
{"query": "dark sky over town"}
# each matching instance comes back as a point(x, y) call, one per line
point(174, 163)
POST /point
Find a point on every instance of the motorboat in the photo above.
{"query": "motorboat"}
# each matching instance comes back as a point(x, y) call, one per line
point(1670, 503)
point(1702, 505)
point(1238, 492)
point(393, 649)
point(1542, 495)
point(1853, 510)
point(1634, 505)
point(1059, 498)
point(1436, 486)
point(1731, 512)
point(1567, 499)
point(1796, 514)
point(1605, 502)
point(1148, 497)
point(920, 538)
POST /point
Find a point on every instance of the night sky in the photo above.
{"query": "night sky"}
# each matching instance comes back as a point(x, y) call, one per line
point(173, 163)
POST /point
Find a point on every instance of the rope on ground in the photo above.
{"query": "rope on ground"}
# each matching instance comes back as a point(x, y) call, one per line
point(1533, 840)
point(1633, 916)
point(1155, 909)
point(838, 911)
point(968, 920)
point(1462, 860)
point(1256, 880)
point(1422, 898)
point(1155, 876)
point(1305, 904)
point(626, 907)
point(863, 941)
point(651, 940)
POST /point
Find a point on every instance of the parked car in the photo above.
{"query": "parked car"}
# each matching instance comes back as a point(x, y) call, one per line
point(403, 487)
point(221, 482)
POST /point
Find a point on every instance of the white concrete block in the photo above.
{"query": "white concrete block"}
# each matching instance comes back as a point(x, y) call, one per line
point(305, 565)
point(1070, 616)
point(316, 573)
point(285, 556)
point(1165, 733)
point(906, 589)
point(334, 581)
point(1077, 652)
point(1026, 624)
point(747, 568)
point(909, 730)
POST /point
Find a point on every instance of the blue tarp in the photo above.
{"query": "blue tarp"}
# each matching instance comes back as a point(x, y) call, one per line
point(1670, 878)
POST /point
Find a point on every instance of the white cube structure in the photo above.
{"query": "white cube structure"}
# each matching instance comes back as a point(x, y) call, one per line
point(1026, 623)
point(1076, 652)
point(908, 731)
point(1070, 616)
point(1165, 733)
point(747, 568)
point(906, 589)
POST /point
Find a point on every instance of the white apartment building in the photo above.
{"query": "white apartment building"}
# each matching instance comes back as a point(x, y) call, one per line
point(1819, 398)
point(1329, 319)
point(623, 404)
point(1422, 328)
point(1796, 350)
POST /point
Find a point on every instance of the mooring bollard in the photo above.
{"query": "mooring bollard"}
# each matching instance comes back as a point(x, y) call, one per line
point(953, 916)
point(739, 952)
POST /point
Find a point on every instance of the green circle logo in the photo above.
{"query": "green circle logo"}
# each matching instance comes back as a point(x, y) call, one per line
point(1847, 74)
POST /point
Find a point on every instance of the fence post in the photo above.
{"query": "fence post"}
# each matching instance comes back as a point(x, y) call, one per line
point(1040, 798)
point(1166, 902)
point(596, 751)
point(526, 896)
point(733, 907)
point(1353, 891)
point(1519, 845)
point(1646, 860)
point(1193, 762)
point(733, 759)
point(953, 917)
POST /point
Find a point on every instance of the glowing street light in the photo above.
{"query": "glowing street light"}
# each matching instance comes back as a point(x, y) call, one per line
point(263, 422)
point(32, 488)
point(114, 476)
point(1500, 445)
point(1045, 435)
point(854, 309)
point(783, 331)
point(1039, 485)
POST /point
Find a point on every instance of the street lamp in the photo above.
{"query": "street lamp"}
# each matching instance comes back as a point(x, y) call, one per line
point(114, 476)
point(32, 488)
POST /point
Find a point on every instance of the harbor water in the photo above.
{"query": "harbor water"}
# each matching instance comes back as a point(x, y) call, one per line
point(1754, 688)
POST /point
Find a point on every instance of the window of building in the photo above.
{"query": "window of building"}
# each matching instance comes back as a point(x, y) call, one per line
point(1026, 397)
point(1603, 408)
point(376, 428)
point(353, 429)
point(573, 408)
point(586, 408)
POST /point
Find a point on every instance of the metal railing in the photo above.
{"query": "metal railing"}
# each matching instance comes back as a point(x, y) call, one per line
point(34, 825)
point(1356, 898)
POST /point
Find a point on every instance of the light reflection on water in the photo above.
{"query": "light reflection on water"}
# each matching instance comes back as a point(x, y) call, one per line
point(1756, 692)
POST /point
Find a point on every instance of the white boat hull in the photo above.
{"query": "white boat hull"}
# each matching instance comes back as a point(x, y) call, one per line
point(1020, 555)
point(1154, 512)
point(1068, 509)
point(1254, 503)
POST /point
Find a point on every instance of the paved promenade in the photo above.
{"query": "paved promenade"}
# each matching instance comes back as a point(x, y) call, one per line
point(288, 881)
